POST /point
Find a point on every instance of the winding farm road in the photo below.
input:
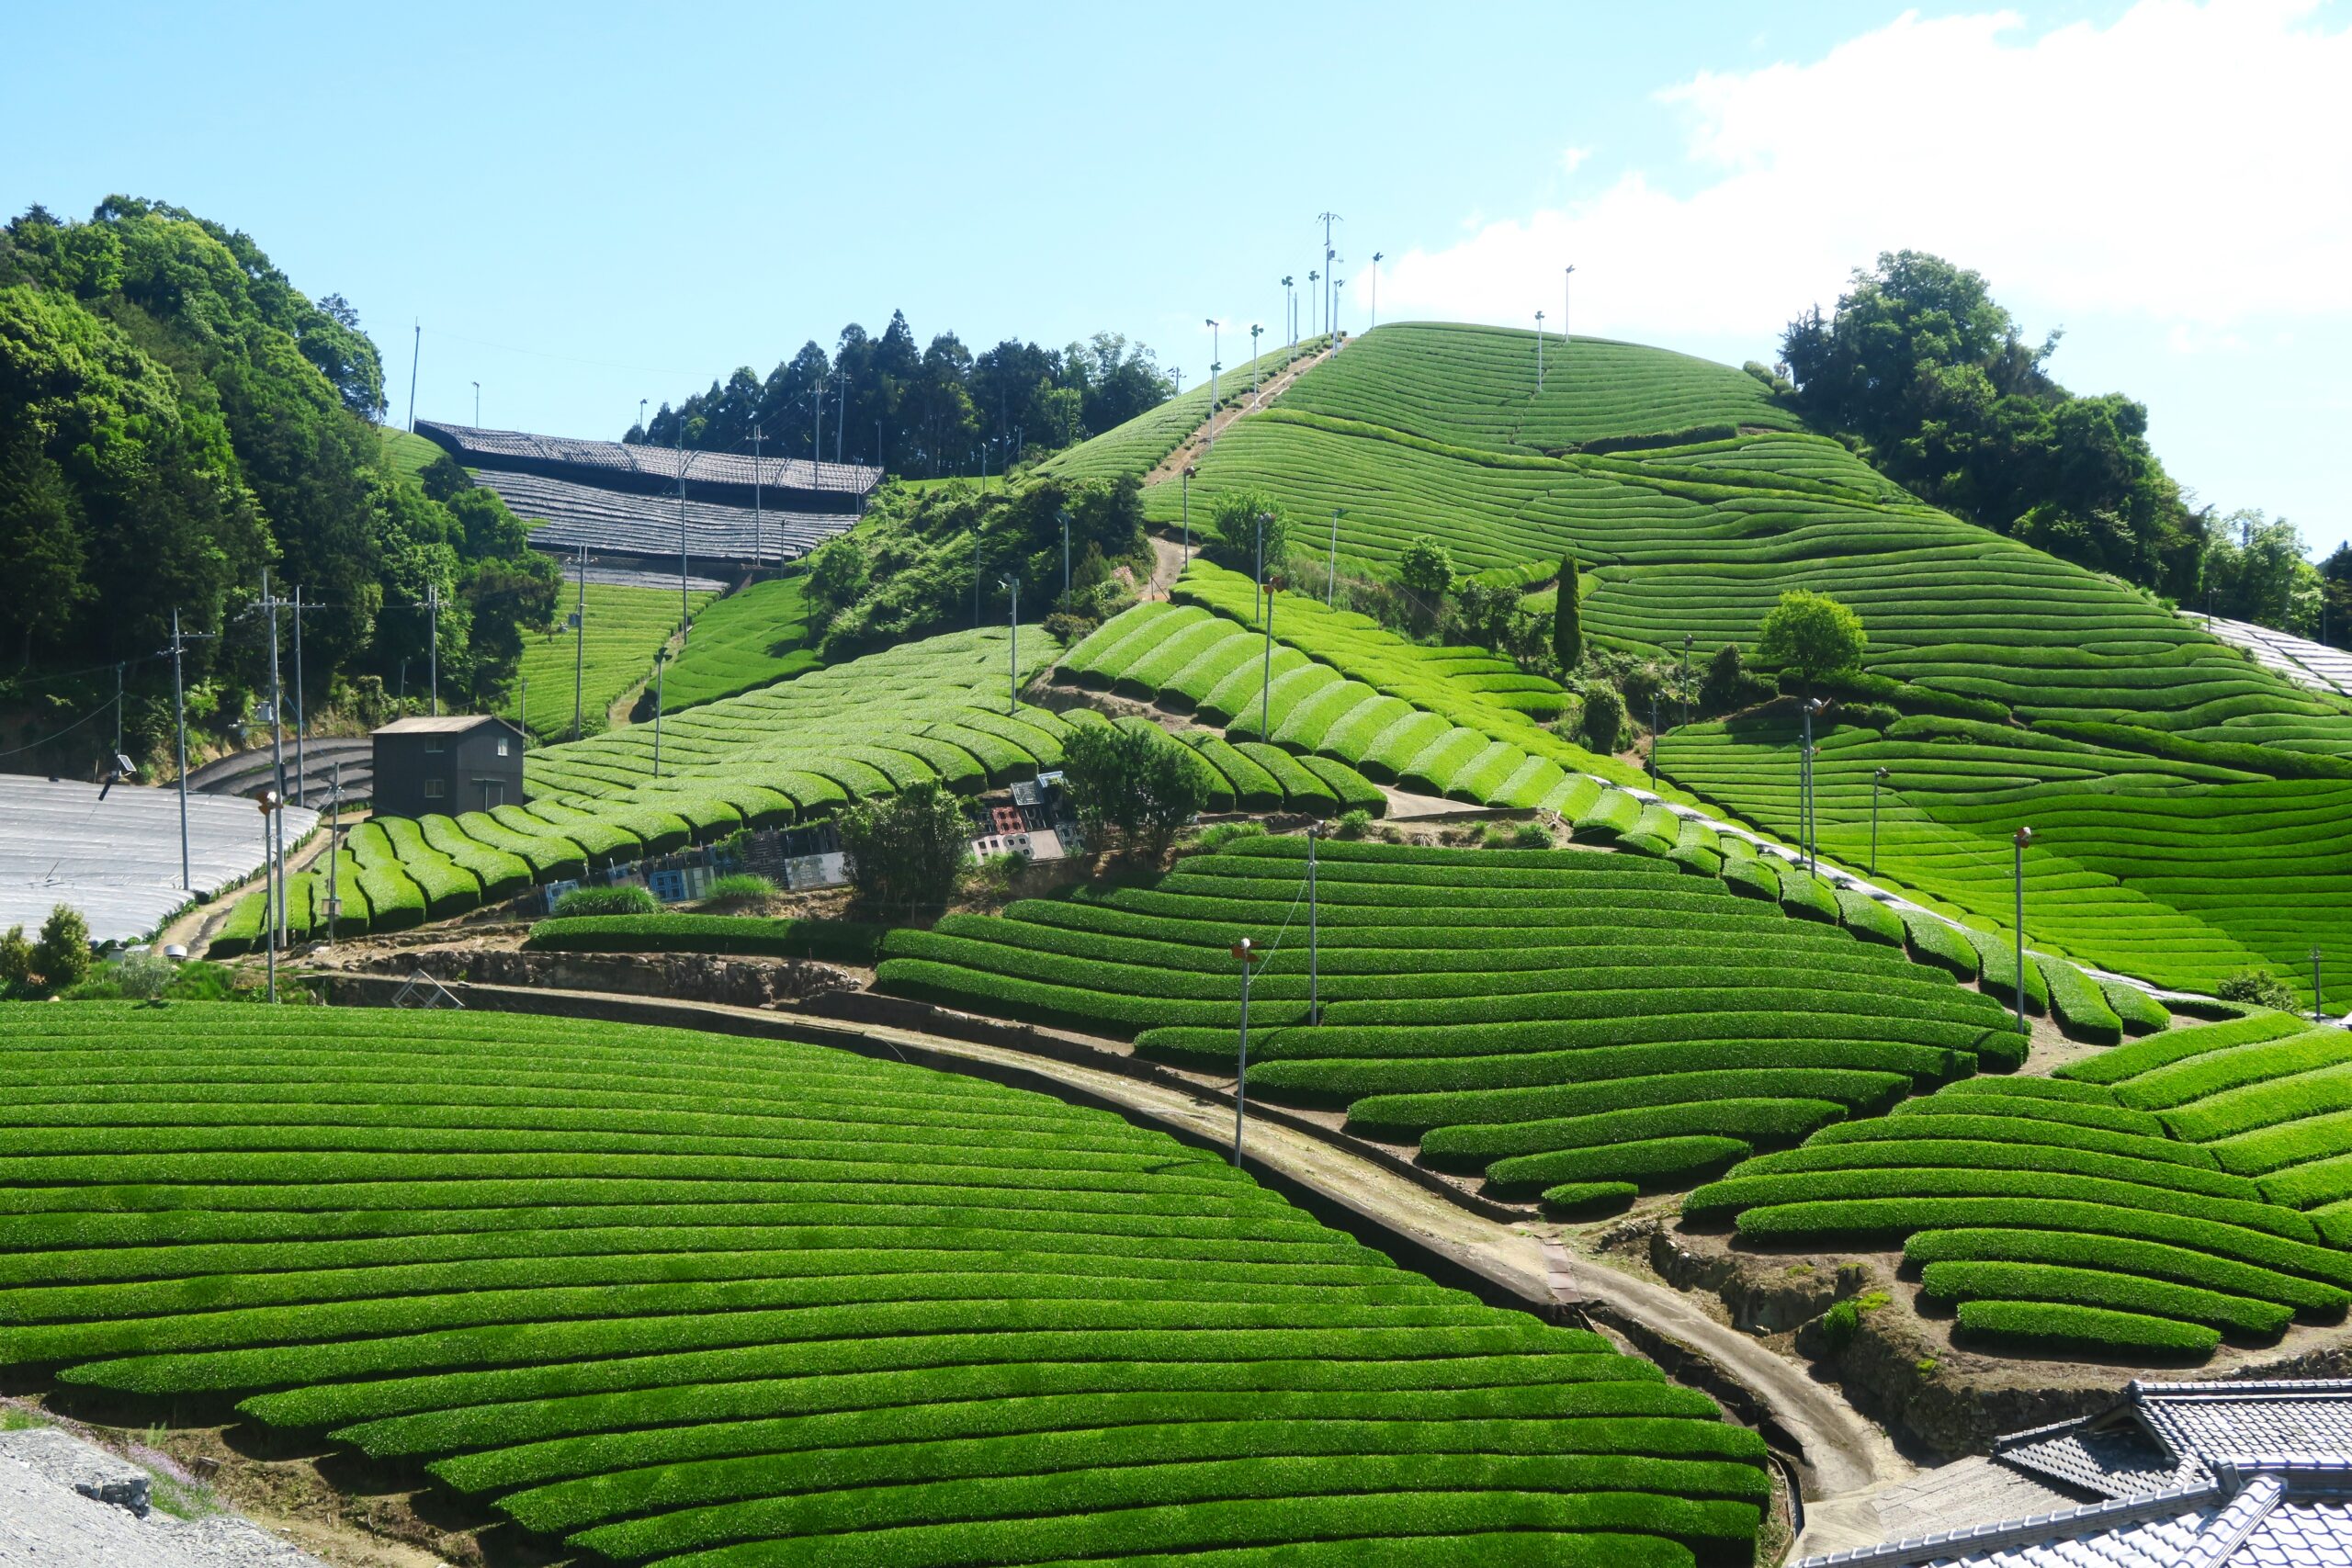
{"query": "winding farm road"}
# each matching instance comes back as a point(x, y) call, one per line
point(1842, 1452)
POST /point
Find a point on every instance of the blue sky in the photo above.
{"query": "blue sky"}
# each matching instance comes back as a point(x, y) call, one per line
point(589, 205)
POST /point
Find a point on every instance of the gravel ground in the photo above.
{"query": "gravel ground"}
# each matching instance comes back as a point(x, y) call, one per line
point(45, 1523)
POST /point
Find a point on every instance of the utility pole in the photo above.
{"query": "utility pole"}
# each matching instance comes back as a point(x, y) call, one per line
point(416, 347)
point(118, 709)
point(840, 417)
point(179, 713)
point(1686, 678)
point(759, 523)
point(1248, 954)
point(578, 638)
point(432, 666)
point(976, 568)
point(1331, 579)
point(302, 726)
point(817, 436)
point(2023, 836)
point(1653, 758)
point(274, 819)
point(1013, 660)
point(269, 803)
point(2319, 997)
point(1375, 290)
point(1063, 514)
point(1266, 681)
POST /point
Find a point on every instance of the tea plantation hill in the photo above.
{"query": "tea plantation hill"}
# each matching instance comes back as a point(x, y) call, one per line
point(661, 1299)
point(2192, 811)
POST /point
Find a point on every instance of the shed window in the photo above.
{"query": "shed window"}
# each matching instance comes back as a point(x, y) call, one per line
point(502, 747)
point(435, 789)
point(434, 744)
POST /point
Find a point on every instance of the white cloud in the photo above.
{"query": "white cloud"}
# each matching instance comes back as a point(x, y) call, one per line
point(1573, 158)
point(2188, 164)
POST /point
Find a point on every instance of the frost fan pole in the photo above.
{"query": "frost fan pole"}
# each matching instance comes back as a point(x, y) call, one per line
point(179, 712)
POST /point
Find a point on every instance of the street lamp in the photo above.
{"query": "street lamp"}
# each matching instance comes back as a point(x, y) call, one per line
point(1878, 778)
point(2020, 838)
point(1247, 953)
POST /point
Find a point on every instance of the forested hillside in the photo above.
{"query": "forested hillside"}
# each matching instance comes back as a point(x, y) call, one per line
point(176, 416)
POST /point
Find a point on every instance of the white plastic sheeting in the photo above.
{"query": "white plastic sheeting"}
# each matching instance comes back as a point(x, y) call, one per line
point(118, 859)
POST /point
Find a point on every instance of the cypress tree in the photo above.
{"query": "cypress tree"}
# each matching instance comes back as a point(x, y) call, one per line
point(1567, 620)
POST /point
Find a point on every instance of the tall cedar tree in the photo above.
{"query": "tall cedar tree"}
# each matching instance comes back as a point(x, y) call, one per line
point(1567, 618)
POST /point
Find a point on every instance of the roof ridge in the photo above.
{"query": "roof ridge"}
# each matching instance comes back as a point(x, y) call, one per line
point(2228, 1529)
point(2016, 1532)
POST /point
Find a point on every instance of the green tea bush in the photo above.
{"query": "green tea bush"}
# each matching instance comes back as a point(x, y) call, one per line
point(623, 899)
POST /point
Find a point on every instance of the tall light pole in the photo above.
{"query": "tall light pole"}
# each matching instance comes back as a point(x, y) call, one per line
point(817, 436)
point(2020, 838)
point(1686, 678)
point(415, 352)
point(301, 754)
point(1248, 953)
point(477, 405)
point(1314, 986)
point(1266, 685)
point(1809, 708)
point(640, 417)
point(1539, 351)
point(1337, 284)
point(759, 523)
point(269, 803)
point(1332, 577)
point(2319, 997)
point(1375, 290)
point(1315, 296)
point(335, 847)
point(685, 602)
point(1254, 330)
point(1878, 781)
point(1012, 659)
point(1061, 515)
point(1653, 758)
point(1187, 490)
point(1570, 273)
point(277, 793)
point(660, 663)
point(1289, 317)
point(1216, 364)
point(432, 643)
point(1332, 316)
point(579, 639)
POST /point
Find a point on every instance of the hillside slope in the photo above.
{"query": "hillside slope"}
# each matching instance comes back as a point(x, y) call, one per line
point(2146, 754)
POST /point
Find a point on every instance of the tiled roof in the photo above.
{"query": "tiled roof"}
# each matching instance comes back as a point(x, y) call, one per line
point(2260, 1513)
point(448, 723)
point(2156, 1437)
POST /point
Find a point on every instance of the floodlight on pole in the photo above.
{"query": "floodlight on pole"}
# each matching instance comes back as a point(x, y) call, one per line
point(1217, 359)
point(1186, 488)
point(1254, 330)
point(1539, 351)
point(1315, 296)
point(2020, 838)
point(1248, 954)
point(1375, 290)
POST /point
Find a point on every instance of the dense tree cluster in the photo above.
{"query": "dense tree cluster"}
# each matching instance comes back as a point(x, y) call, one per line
point(1921, 364)
point(923, 412)
point(928, 562)
point(175, 415)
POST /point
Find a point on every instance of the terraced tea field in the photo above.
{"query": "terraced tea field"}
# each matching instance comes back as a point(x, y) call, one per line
point(662, 1299)
point(2188, 801)
point(2145, 1204)
point(1573, 1025)
point(1136, 447)
point(742, 642)
point(626, 626)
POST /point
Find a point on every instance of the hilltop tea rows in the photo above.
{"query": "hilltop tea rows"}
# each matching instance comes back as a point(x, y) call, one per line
point(837, 1307)
point(1692, 500)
